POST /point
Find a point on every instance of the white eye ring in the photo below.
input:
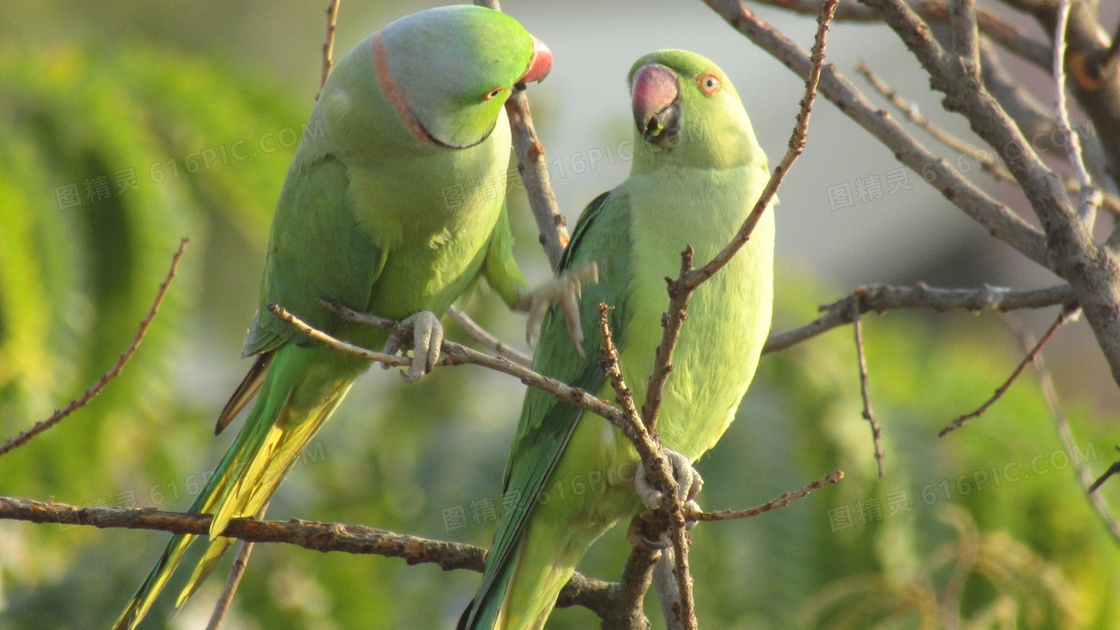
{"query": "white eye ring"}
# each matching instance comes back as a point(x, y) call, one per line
point(709, 83)
point(493, 94)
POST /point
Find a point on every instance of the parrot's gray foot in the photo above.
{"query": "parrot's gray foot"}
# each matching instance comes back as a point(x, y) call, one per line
point(565, 290)
point(688, 480)
point(427, 339)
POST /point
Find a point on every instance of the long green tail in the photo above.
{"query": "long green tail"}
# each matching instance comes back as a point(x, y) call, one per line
point(302, 388)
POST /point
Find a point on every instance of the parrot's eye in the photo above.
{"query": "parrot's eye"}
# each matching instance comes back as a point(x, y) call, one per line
point(493, 94)
point(709, 83)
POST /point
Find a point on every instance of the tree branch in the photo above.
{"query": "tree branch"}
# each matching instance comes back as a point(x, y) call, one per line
point(1089, 196)
point(991, 25)
point(987, 162)
point(659, 471)
point(882, 298)
point(113, 372)
point(1032, 353)
point(488, 341)
point(865, 394)
point(595, 595)
point(1061, 423)
point(532, 165)
point(994, 216)
point(780, 502)
point(1094, 273)
point(455, 354)
point(1112, 470)
point(328, 45)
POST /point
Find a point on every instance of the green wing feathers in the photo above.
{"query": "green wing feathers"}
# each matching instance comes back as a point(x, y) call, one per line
point(547, 424)
point(320, 249)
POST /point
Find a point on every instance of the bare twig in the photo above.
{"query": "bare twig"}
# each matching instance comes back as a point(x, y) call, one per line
point(780, 502)
point(1064, 316)
point(455, 354)
point(911, 112)
point(659, 470)
point(328, 45)
point(115, 371)
point(488, 341)
point(532, 164)
point(997, 218)
point(1061, 423)
point(868, 414)
point(636, 577)
point(240, 562)
point(991, 25)
point(590, 593)
point(1089, 197)
point(882, 298)
point(986, 158)
point(623, 396)
point(796, 146)
point(680, 290)
point(1112, 470)
point(1093, 272)
point(236, 572)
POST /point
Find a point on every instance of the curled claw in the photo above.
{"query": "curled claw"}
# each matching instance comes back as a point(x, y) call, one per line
point(427, 339)
point(689, 482)
point(565, 290)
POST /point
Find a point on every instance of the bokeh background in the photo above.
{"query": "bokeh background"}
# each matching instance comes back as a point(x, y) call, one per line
point(127, 125)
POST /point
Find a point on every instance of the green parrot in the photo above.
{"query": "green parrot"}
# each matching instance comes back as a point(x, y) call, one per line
point(697, 172)
point(394, 205)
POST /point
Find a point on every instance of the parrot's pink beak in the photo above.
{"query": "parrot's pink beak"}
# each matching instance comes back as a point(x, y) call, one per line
point(541, 63)
point(653, 91)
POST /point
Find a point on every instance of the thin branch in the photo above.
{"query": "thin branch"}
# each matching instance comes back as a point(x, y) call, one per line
point(623, 396)
point(532, 165)
point(796, 146)
point(780, 502)
point(240, 562)
point(986, 159)
point(115, 371)
point(1093, 272)
point(1090, 198)
point(882, 298)
point(637, 573)
point(671, 321)
point(910, 110)
point(595, 595)
point(1061, 423)
point(996, 217)
point(962, 19)
point(1112, 470)
point(680, 290)
point(991, 25)
point(488, 341)
point(868, 414)
point(328, 45)
point(668, 593)
point(660, 473)
point(236, 572)
point(454, 354)
point(1063, 317)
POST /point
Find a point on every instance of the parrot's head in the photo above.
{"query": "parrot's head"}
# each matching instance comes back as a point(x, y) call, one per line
point(687, 111)
point(449, 70)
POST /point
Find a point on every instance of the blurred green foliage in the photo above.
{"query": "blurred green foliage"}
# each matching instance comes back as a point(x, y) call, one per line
point(108, 158)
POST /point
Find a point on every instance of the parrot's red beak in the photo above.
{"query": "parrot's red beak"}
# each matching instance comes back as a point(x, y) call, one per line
point(540, 65)
point(655, 93)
